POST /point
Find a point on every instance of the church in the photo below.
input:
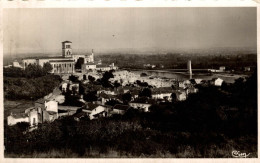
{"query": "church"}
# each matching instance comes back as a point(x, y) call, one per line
point(61, 64)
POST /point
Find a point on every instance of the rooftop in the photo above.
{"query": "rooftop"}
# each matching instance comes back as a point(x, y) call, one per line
point(21, 115)
point(89, 63)
point(44, 57)
point(64, 60)
point(121, 107)
point(66, 41)
point(91, 106)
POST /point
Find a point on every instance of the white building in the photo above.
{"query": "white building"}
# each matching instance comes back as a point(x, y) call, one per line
point(217, 81)
point(51, 106)
point(140, 106)
point(17, 64)
point(16, 118)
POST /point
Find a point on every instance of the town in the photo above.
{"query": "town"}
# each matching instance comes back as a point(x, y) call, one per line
point(115, 93)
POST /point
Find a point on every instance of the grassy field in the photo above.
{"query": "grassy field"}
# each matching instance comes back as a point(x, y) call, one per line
point(17, 106)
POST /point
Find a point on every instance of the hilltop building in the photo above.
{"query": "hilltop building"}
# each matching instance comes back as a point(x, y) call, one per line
point(61, 64)
point(65, 63)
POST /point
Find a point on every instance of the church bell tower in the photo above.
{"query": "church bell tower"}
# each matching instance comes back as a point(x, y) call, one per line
point(66, 49)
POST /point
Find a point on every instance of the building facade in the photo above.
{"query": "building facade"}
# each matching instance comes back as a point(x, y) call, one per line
point(60, 64)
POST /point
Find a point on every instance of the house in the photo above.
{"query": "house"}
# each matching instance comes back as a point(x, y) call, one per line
point(120, 109)
point(74, 87)
point(183, 84)
point(64, 87)
point(34, 117)
point(49, 109)
point(198, 81)
point(67, 110)
point(105, 98)
point(162, 93)
point(103, 68)
point(88, 66)
point(216, 81)
point(17, 64)
point(108, 91)
point(16, 118)
point(247, 69)
point(181, 95)
point(95, 110)
point(222, 68)
point(79, 115)
point(140, 106)
point(134, 93)
point(191, 90)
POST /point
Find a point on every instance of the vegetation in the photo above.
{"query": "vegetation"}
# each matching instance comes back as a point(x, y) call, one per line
point(211, 123)
point(231, 60)
point(29, 88)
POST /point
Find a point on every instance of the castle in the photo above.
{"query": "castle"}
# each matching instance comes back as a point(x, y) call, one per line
point(61, 64)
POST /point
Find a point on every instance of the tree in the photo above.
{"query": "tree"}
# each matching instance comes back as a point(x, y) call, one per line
point(146, 92)
point(143, 74)
point(73, 78)
point(79, 62)
point(126, 97)
point(116, 84)
point(91, 78)
point(33, 70)
point(174, 97)
point(90, 96)
point(47, 68)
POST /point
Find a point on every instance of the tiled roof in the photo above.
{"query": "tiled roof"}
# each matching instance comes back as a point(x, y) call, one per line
point(102, 66)
point(91, 106)
point(80, 114)
point(89, 63)
point(64, 60)
point(21, 115)
point(44, 57)
point(106, 96)
point(121, 107)
point(51, 112)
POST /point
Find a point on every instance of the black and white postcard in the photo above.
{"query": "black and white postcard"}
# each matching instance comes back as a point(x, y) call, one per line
point(86, 81)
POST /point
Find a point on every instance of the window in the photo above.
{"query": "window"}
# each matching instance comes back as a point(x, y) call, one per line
point(67, 46)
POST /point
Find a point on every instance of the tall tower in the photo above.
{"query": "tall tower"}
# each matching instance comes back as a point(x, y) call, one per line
point(92, 55)
point(189, 67)
point(66, 49)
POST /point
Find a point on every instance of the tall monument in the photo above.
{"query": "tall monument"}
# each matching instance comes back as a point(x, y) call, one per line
point(189, 67)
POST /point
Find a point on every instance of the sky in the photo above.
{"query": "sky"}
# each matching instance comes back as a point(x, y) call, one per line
point(43, 30)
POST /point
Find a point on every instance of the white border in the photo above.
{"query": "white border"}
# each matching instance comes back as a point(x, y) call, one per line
point(120, 3)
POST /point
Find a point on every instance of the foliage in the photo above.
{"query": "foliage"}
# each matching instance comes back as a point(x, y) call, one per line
point(146, 92)
point(90, 96)
point(143, 74)
point(79, 62)
point(74, 78)
point(126, 97)
point(47, 68)
point(91, 78)
point(112, 102)
point(211, 123)
point(30, 88)
point(105, 79)
point(31, 71)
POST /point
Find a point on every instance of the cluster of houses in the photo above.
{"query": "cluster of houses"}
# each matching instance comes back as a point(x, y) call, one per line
point(49, 108)
point(127, 77)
